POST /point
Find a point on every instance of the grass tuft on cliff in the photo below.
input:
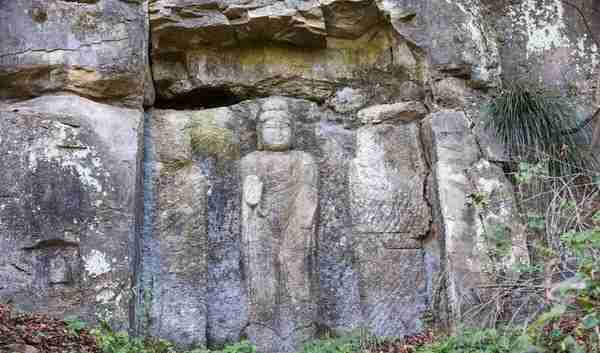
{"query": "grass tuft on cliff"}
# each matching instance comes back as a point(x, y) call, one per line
point(535, 123)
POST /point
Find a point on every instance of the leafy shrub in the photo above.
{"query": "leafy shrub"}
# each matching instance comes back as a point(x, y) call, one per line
point(74, 325)
point(120, 342)
point(240, 347)
point(554, 301)
point(478, 341)
point(573, 322)
point(348, 344)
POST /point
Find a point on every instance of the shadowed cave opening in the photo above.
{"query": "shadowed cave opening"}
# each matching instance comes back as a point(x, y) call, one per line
point(200, 98)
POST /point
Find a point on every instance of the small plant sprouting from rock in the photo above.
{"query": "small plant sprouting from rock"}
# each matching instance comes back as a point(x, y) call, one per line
point(110, 341)
point(478, 199)
point(74, 325)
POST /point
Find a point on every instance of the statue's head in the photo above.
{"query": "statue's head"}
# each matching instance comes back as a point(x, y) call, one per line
point(275, 130)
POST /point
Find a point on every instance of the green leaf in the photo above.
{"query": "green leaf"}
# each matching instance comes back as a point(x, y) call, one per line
point(590, 321)
point(570, 345)
point(596, 217)
point(556, 312)
point(536, 222)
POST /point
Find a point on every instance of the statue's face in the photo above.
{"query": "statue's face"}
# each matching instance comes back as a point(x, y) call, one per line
point(276, 132)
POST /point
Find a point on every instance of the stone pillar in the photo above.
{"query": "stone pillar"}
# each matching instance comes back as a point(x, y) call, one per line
point(279, 221)
point(175, 251)
point(471, 258)
point(390, 218)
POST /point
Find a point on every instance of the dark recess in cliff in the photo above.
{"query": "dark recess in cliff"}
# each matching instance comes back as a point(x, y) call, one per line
point(199, 99)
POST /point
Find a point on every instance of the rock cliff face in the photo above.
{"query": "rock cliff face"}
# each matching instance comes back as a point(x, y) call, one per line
point(67, 209)
point(205, 171)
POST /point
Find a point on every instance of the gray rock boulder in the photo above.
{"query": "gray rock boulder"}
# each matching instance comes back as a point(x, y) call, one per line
point(96, 50)
point(303, 49)
point(350, 18)
point(185, 25)
point(403, 112)
point(455, 35)
point(67, 206)
point(270, 69)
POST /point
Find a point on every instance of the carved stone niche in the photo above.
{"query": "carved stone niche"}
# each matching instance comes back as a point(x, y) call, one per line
point(59, 270)
point(279, 223)
point(55, 263)
point(50, 277)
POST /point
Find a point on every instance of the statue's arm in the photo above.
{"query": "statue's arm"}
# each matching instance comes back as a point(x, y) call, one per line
point(308, 196)
point(253, 189)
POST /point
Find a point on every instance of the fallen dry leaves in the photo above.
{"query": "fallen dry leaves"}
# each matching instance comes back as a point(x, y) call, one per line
point(406, 345)
point(36, 333)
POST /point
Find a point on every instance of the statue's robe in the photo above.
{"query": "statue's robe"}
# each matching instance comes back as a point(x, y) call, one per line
point(279, 221)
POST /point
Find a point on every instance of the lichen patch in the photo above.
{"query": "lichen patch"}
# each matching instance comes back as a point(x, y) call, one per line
point(62, 145)
point(544, 24)
point(96, 263)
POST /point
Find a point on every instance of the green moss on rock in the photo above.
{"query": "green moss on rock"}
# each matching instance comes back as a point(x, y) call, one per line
point(208, 138)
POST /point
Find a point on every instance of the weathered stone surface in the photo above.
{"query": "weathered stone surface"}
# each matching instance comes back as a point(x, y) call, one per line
point(67, 206)
point(499, 233)
point(149, 92)
point(339, 305)
point(243, 50)
point(185, 25)
point(177, 25)
point(218, 140)
point(71, 165)
point(451, 92)
point(454, 150)
point(460, 176)
point(491, 146)
point(264, 70)
point(548, 41)
point(390, 217)
point(412, 91)
point(96, 50)
point(387, 181)
point(350, 18)
point(458, 93)
point(253, 190)
point(279, 236)
point(179, 286)
point(455, 35)
point(181, 239)
point(348, 100)
point(396, 112)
